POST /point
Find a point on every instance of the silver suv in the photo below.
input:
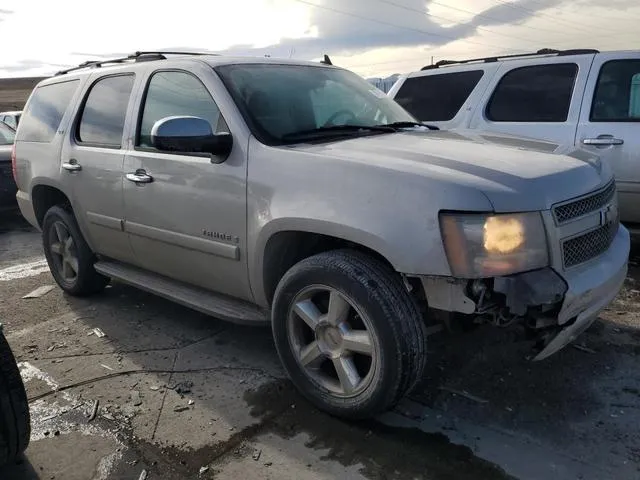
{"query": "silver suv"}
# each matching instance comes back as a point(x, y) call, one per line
point(295, 193)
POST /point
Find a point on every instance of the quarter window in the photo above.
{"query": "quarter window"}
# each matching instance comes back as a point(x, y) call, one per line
point(440, 97)
point(617, 94)
point(539, 93)
point(47, 106)
point(105, 110)
point(177, 94)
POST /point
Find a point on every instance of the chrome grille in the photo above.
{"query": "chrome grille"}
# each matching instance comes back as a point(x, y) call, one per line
point(569, 211)
point(581, 249)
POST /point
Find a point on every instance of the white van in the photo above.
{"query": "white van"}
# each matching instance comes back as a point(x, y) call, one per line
point(582, 97)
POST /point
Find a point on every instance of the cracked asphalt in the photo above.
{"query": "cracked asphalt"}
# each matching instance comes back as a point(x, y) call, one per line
point(183, 396)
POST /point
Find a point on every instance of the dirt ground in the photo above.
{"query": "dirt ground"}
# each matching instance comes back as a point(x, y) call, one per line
point(183, 396)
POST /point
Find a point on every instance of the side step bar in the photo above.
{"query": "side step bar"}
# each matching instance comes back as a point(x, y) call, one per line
point(210, 303)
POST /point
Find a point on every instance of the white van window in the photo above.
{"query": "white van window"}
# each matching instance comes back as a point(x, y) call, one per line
point(539, 93)
point(439, 97)
point(617, 95)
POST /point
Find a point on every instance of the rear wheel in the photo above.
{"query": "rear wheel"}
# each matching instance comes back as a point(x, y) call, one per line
point(348, 333)
point(69, 257)
point(15, 421)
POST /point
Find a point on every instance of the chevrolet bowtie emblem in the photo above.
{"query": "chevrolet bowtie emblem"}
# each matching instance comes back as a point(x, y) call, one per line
point(609, 214)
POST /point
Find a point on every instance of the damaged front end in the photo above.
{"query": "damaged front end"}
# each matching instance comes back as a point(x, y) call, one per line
point(532, 299)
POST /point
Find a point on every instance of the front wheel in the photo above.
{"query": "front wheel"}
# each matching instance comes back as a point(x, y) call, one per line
point(348, 333)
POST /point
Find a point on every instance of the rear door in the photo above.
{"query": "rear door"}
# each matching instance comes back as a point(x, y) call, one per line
point(537, 98)
point(93, 161)
point(610, 123)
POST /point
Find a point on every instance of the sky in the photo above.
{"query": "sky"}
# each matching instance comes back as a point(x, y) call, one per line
point(374, 38)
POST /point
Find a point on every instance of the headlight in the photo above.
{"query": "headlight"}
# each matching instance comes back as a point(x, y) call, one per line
point(486, 245)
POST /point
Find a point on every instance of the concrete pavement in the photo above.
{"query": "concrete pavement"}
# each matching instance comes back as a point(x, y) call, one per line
point(181, 395)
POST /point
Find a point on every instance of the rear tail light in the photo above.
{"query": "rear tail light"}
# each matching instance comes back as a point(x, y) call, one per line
point(14, 168)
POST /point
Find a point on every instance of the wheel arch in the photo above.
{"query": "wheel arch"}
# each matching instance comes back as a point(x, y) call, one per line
point(44, 196)
point(283, 247)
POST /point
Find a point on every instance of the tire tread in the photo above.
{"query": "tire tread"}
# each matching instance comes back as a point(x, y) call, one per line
point(15, 420)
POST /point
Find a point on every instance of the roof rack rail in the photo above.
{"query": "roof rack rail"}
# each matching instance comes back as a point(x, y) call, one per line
point(543, 51)
point(140, 56)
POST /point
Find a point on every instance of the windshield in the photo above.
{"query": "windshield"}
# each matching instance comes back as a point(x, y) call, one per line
point(278, 101)
point(7, 135)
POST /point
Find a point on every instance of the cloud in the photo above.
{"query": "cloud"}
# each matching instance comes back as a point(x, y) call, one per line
point(5, 13)
point(347, 28)
point(24, 65)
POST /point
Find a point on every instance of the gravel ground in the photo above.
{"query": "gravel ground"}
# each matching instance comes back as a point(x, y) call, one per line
point(181, 395)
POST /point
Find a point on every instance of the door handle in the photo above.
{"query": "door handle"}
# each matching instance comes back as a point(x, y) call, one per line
point(139, 176)
point(603, 141)
point(72, 166)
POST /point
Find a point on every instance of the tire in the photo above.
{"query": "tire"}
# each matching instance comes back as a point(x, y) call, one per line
point(379, 303)
point(15, 421)
point(85, 280)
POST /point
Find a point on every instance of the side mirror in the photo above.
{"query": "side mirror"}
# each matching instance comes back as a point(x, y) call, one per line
point(190, 135)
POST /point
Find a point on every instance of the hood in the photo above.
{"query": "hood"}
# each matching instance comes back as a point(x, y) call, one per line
point(515, 174)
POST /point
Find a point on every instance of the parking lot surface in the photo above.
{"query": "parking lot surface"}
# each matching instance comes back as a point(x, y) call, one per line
point(125, 383)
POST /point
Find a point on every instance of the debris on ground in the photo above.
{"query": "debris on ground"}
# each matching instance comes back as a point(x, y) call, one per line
point(583, 348)
point(154, 388)
point(135, 398)
point(203, 470)
point(180, 408)
point(183, 387)
point(106, 366)
point(94, 411)
point(99, 333)
point(464, 394)
point(257, 454)
point(56, 345)
point(191, 402)
point(143, 475)
point(40, 291)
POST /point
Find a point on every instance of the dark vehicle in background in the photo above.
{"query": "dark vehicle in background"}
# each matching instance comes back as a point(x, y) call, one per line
point(15, 418)
point(11, 118)
point(8, 187)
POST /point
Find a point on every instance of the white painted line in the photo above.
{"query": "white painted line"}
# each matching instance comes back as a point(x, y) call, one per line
point(47, 415)
point(24, 270)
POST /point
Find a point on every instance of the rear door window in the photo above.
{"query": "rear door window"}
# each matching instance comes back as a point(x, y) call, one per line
point(437, 97)
point(539, 93)
point(617, 94)
point(105, 111)
point(40, 122)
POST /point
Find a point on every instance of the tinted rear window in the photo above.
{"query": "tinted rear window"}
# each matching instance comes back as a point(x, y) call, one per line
point(45, 111)
point(437, 97)
point(540, 93)
point(105, 110)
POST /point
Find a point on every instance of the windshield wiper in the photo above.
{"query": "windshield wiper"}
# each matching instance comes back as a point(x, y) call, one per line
point(338, 130)
point(409, 125)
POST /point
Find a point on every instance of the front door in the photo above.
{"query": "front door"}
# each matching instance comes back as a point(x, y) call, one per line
point(610, 124)
point(185, 215)
point(92, 165)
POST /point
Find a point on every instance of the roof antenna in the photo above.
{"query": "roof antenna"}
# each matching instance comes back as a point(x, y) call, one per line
point(326, 60)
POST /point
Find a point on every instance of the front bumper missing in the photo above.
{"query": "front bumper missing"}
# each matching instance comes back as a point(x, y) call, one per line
point(591, 288)
point(577, 295)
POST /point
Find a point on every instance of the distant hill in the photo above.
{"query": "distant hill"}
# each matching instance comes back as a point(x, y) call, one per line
point(14, 92)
